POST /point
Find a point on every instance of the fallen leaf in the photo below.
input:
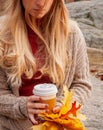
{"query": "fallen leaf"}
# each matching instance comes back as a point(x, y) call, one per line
point(68, 118)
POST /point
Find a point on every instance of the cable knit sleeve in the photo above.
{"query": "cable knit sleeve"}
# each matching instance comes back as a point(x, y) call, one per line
point(81, 80)
point(77, 74)
point(10, 105)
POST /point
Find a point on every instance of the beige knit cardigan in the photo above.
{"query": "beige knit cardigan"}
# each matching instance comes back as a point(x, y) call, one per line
point(13, 111)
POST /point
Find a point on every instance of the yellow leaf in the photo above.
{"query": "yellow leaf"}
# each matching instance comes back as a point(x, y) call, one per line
point(38, 127)
point(67, 101)
point(48, 126)
point(68, 117)
point(63, 110)
point(52, 126)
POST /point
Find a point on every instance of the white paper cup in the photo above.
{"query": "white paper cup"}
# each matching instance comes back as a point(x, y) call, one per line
point(47, 92)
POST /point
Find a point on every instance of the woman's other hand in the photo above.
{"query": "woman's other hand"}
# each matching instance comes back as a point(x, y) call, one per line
point(57, 108)
point(35, 107)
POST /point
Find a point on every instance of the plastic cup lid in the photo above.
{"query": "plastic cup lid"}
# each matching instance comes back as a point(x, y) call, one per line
point(45, 89)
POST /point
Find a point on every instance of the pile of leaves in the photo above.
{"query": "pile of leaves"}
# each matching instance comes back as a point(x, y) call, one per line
point(69, 117)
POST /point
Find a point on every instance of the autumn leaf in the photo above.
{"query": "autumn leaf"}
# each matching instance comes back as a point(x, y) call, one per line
point(72, 111)
point(67, 97)
point(48, 126)
point(68, 118)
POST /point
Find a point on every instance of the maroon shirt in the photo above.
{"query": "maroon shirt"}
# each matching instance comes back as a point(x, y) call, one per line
point(28, 84)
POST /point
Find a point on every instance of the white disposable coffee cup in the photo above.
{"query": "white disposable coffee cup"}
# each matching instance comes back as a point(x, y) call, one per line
point(47, 92)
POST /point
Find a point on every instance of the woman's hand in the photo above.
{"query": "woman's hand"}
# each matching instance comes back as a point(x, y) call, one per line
point(57, 108)
point(35, 107)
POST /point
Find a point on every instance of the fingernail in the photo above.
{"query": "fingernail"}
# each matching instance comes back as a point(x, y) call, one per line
point(46, 106)
point(47, 110)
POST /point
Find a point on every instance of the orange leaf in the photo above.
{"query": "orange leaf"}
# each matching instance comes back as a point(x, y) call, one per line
point(68, 117)
point(72, 111)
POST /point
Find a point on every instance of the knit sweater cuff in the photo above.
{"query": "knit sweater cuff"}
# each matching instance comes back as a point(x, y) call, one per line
point(23, 107)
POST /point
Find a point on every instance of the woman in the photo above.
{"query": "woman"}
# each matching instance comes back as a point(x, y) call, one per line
point(38, 44)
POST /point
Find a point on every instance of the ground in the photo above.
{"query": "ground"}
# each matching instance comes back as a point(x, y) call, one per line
point(94, 108)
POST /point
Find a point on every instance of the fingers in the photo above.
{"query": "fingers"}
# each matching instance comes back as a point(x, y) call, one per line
point(37, 111)
point(35, 105)
point(34, 98)
point(39, 119)
point(33, 120)
point(57, 108)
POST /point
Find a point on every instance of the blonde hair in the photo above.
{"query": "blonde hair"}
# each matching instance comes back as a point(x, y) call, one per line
point(17, 56)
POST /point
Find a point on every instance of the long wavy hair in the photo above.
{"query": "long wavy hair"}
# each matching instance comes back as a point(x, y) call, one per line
point(16, 55)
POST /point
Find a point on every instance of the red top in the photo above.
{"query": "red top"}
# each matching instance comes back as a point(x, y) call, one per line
point(28, 84)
